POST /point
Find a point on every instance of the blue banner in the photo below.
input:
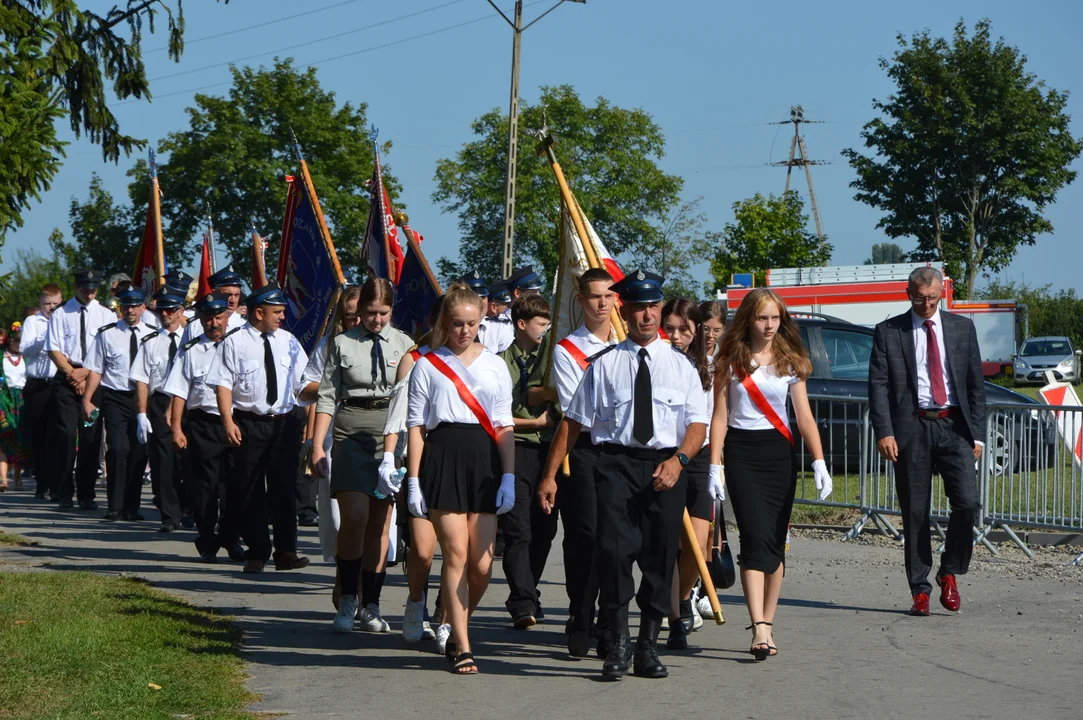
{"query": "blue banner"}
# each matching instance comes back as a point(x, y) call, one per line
point(310, 279)
point(414, 296)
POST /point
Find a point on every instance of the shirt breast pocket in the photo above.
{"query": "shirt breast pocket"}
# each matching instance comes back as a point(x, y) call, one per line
point(356, 372)
point(248, 371)
point(668, 404)
point(615, 413)
point(115, 357)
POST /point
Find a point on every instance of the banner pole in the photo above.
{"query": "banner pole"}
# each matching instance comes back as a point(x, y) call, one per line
point(156, 211)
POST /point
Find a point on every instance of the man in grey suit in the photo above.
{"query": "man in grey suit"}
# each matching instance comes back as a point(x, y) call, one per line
point(927, 406)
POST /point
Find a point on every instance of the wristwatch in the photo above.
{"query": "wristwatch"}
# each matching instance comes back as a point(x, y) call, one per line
point(681, 458)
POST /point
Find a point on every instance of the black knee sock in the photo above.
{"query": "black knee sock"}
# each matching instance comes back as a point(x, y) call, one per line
point(372, 583)
point(348, 571)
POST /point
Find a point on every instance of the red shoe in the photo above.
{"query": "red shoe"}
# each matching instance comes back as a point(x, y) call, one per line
point(949, 593)
point(920, 607)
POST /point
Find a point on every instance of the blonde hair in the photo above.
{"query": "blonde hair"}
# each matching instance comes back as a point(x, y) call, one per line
point(458, 294)
point(735, 353)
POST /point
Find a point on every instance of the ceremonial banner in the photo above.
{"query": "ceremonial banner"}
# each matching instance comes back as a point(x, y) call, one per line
point(381, 247)
point(149, 271)
point(203, 288)
point(416, 290)
point(310, 275)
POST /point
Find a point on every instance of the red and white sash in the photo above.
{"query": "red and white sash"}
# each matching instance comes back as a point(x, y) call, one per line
point(578, 355)
point(757, 397)
point(456, 376)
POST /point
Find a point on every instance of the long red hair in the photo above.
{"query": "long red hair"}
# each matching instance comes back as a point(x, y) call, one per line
point(735, 355)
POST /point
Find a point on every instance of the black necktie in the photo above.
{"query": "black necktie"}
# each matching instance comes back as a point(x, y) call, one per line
point(524, 376)
point(377, 360)
point(642, 415)
point(172, 348)
point(133, 347)
point(269, 366)
point(82, 332)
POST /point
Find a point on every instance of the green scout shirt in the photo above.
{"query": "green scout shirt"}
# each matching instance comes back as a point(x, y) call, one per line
point(348, 373)
point(533, 364)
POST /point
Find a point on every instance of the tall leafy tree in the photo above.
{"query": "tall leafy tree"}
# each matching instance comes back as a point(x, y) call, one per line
point(671, 250)
point(969, 151)
point(610, 157)
point(766, 232)
point(29, 273)
point(885, 254)
point(232, 161)
point(57, 60)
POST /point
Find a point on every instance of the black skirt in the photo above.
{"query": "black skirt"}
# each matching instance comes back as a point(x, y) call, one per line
point(697, 471)
point(460, 469)
point(761, 479)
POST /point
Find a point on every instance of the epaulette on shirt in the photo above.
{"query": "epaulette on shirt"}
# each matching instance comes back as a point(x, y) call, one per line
point(601, 352)
point(148, 336)
point(687, 357)
point(103, 328)
point(191, 343)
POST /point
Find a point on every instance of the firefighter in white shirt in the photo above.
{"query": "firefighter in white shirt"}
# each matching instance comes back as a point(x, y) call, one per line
point(109, 361)
point(38, 393)
point(227, 284)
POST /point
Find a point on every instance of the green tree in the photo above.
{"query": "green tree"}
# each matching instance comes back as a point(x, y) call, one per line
point(609, 156)
point(58, 59)
point(30, 272)
point(232, 161)
point(671, 250)
point(886, 254)
point(970, 151)
point(767, 232)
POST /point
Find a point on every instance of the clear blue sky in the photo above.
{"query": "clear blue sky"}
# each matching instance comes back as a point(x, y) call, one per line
point(712, 74)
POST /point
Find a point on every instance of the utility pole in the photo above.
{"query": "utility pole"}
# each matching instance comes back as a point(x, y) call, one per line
point(799, 158)
point(513, 125)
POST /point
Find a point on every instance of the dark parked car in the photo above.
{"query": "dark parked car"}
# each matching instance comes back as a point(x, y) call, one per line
point(840, 354)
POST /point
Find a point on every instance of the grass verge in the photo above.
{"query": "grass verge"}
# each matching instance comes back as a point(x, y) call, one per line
point(77, 645)
point(7, 538)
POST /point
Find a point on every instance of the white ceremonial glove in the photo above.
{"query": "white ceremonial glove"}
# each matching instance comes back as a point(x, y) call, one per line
point(505, 496)
point(389, 484)
point(716, 483)
point(414, 499)
point(142, 428)
point(823, 479)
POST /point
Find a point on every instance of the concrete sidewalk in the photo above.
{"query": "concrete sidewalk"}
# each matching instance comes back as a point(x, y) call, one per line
point(847, 650)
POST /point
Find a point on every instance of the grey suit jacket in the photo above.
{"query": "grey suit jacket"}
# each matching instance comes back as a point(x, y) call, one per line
point(893, 394)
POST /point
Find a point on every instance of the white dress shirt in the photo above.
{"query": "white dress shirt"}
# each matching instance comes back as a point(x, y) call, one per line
point(603, 401)
point(434, 399)
point(152, 363)
point(317, 361)
point(63, 334)
point(194, 328)
point(187, 378)
point(497, 333)
point(239, 365)
point(708, 395)
point(150, 319)
point(38, 363)
point(111, 355)
point(15, 371)
point(744, 414)
point(921, 358)
point(566, 371)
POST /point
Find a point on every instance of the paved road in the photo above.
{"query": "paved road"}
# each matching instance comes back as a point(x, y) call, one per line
point(847, 649)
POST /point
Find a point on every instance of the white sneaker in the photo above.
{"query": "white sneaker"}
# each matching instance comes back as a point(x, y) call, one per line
point(347, 609)
point(413, 621)
point(426, 630)
point(697, 618)
point(703, 608)
point(443, 633)
point(371, 620)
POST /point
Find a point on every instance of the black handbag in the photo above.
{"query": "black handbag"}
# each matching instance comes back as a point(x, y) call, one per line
point(723, 571)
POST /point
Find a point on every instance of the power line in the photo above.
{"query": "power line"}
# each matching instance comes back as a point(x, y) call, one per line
point(310, 42)
point(254, 27)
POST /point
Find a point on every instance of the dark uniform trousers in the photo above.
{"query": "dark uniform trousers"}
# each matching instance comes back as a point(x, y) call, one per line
point(306, 489)
point(166, 470)
point(528, 531)
point(125, 456)
point(943, 446)
point(636, 523)
point(208, 462)
point(66, 425)
point(579, 515)
point(37, 397)
point(264, 485)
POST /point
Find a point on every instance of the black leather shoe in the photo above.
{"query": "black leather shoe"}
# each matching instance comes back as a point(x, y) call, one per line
point(619, 645)
point(39, 495)
point(579, 643)
point(65, 504)
point(308, 521)
point(167, 527)
point(646, 663)
point(111, 516)
point(187, 521)
point(132, 516)
point(88, 505)
point(678, 636)
point(208, 557)
point(687, 618)
point(540, 615)
point(236, 552)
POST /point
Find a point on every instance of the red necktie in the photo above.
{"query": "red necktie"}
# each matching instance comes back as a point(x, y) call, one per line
point(936, 372)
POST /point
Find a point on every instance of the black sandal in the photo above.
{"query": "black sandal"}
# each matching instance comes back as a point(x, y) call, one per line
point(464, 662)
point(449, 651)
point(760, 650)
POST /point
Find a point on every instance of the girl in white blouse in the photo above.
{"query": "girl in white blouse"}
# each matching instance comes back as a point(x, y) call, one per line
point(760, 364)
point(461, 456)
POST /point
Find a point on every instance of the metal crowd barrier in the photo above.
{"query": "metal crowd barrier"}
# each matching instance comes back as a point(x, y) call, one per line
point(1027, 476)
